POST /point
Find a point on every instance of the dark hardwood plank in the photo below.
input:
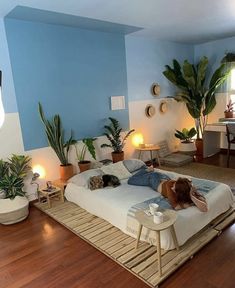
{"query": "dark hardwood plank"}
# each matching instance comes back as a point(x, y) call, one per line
point(39, 252)
point(220, 160)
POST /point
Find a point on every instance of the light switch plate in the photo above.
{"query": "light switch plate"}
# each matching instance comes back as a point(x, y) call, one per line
point(117, 102)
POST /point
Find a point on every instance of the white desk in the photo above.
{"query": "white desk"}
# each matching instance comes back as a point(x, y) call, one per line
point(212, 138)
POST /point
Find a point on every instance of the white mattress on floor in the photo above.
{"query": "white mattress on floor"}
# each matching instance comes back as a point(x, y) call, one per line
point(112, 204)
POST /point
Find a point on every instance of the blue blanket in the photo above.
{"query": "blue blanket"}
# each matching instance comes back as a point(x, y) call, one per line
point(202, 186)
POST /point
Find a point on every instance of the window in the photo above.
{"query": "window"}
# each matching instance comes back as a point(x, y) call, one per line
point(231, 87)
point(232, 81)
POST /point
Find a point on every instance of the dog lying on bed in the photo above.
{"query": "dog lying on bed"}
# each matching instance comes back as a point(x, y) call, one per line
point(101, 181)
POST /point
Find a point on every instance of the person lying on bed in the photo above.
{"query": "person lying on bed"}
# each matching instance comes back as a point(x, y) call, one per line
point(102, 181)
point(180, 192)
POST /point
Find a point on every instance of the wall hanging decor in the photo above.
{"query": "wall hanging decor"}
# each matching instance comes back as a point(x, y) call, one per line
point(163, 107)
point(156, 89)
point(150, 110)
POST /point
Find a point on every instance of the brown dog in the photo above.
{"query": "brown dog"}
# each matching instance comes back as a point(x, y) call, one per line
point(101, 181)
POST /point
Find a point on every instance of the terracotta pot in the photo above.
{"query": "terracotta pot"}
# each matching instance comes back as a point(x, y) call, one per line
point(84, 165)
point(66, 171)
point(117, 156)
point(199, 146)
point(228, 114)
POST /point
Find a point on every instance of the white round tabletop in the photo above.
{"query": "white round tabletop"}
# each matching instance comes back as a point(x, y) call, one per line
point(169, 218)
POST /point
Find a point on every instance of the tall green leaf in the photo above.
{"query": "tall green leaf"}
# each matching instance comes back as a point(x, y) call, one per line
point(201, 72)
point(55, 136)
point(189, 75)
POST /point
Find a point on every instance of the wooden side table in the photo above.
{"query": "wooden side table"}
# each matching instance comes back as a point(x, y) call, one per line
point(57, 192)
point(60, 183)
point(170, 217)
point(150, 149)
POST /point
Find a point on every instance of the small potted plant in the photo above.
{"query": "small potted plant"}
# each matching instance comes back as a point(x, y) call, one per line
point(117, 141)
point(228, 113)
point(87, 144)
point(187, 145)
point(13, 203)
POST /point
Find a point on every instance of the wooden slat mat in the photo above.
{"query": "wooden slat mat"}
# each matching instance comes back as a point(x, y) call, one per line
point(121, 247)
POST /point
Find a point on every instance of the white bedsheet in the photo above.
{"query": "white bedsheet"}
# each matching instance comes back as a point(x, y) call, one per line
point(112, 204)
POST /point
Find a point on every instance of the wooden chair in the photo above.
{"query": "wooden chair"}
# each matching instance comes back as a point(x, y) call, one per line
point(230, 128)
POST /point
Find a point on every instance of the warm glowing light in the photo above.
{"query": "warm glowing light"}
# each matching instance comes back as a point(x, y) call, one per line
point(233, 79)
point(137, 139)
point(40, 170)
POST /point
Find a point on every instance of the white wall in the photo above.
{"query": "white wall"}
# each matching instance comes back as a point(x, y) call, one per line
point(160, 126)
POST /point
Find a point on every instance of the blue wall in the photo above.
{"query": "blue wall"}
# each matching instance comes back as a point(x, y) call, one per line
point(215, 51)
point(72, 72)
point(146, 60)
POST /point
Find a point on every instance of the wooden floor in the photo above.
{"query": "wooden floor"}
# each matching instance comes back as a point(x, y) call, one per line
point(39, 252)
point(220, 160)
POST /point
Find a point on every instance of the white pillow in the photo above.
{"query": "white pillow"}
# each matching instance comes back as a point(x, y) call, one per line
point(81, 179)
point(116, 169)
point(133, 165)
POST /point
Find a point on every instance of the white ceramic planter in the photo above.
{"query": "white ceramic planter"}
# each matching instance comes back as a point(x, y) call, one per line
point(13, 211)
point(187, 148)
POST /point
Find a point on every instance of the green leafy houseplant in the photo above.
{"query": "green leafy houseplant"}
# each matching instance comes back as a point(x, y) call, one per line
point(12, 175)
point(186, 135)
point(228, 112)
point(88, 144)
point(198, 97)
point(113, 134)
point(55, 136)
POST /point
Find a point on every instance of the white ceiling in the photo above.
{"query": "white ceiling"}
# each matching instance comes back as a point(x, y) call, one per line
point(189, 21)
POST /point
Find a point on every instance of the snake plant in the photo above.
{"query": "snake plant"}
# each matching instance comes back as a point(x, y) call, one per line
point(197, 92)
point(55, 136)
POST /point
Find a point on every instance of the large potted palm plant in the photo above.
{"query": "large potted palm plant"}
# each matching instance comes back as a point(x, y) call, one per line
point(197, 92)
point(55, 137)
point(116, 139)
